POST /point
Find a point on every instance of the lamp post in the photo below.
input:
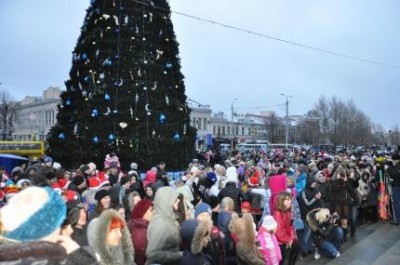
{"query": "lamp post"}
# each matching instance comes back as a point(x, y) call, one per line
point(287, 119)
point(233, 127)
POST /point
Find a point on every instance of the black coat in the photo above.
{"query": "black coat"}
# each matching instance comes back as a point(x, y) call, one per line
point(234, 193)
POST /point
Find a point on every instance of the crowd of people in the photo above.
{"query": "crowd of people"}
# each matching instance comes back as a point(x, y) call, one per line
point(250, 208)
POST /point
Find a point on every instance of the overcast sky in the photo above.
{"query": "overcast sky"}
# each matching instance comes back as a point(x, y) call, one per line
point(221, 64)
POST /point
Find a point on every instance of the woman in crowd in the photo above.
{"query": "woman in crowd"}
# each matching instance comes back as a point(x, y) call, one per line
point(103, 199)
point(285, 233)
point(109, 237)
point(163, 231)
point(138, 225)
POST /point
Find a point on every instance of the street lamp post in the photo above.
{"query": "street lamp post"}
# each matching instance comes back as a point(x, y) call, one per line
point(287, 119)
point(233, 127)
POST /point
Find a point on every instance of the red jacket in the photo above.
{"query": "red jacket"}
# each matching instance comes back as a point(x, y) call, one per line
point(285, 231)
point(138, 229)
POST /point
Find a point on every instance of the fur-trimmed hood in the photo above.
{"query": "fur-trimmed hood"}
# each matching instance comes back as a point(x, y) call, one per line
point(97, 236)
point(193, 232)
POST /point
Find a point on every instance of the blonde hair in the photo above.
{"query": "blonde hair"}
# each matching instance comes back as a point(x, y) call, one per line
point(323, 215)
point(227, 204)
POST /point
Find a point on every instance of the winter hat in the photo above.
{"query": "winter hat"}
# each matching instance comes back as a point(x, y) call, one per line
point(134, 166)
point(101, 194)
point(94, 183)
point(11, 191)
point(188, 229)
point(202, 208)
point(33, 214)
point(48, 159)
point(56, 187)
point(56, 165)
point(245, 205)
point(22, 181)
point(253, 181)
point(269, 223)
point(302, 169)
point(64, 183)
point(78, 180)
point(141, 208)
point(212, 177)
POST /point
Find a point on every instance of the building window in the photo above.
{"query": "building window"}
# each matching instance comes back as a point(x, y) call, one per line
point(205, 127)
point(223, 130)
point(214, 128)
point(242, 130)
point(219, 130)
point(229, 130)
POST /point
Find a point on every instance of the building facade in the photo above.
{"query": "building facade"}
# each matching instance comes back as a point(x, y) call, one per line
point(36, 115)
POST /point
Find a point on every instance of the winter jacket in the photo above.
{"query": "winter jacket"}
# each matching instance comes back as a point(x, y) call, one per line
point(307, 200)
point(224, 218)
point(394, 173)
point(269, 247)
point(216, 247)
point(163, 231)
point(234, 193)
point(285, 231)
point(319, 231)
point(138, 228)
point(97, 235)
point(194, 254)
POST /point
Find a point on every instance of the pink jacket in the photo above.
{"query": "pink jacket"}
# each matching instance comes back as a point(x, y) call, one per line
point(269, 247)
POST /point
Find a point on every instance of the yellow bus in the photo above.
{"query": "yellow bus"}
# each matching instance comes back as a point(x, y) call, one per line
point(22, 148)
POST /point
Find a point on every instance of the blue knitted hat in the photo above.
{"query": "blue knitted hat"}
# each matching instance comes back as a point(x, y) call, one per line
point(33, 214)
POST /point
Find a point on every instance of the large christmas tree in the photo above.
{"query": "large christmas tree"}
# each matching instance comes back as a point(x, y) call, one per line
point(126, 92)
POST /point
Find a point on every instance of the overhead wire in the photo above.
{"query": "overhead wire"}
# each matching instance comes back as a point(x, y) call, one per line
point(293, 43)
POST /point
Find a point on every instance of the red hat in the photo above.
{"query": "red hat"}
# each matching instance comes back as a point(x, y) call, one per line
point(246, 205)
point(56, 187)
point(63, 183)
point(253, 181)
point(71, 195)
point(141, 208)
point(94, 183)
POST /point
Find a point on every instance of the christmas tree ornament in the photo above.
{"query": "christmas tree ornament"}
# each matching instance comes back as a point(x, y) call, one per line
point(107, 97)
point(168, 65)
point(153, 133)
point(87, 79)
point(177, 137)
point(154, 87)
point(107, 62)
point(111, 137)
point(123, 125)
point(101, 76)
point(68, 102)
point(95, 139)
point(116, 20)
point(131, 111)
point(145, 88)
point(95, 113)
point(136, 98)
point(84, 57)
point(119, 83)
point(147, 107)
point(108, 111)
point(115, 111)
point(165, 72)
point(76, 129)
point(126, 20)
point(61, 136)
point(144, 39)
point(162, 118)
point(167, 100)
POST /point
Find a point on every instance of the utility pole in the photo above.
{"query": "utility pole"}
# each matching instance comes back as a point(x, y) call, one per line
point(232, 124)
point(287, 119)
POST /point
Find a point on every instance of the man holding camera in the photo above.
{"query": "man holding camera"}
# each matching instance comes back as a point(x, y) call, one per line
point(326, 233)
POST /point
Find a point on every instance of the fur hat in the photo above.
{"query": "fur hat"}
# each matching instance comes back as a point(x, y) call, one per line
point(141, 208)
point(269, 223)
point(33, 214)
point(202, 208)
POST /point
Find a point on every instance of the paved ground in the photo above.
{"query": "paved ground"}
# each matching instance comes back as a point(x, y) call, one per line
point(374, 244)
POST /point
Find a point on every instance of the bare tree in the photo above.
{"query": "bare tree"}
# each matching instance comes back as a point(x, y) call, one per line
point(8, 114)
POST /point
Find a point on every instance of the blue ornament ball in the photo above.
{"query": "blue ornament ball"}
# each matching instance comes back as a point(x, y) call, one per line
point(95, 113)
point(177, 137)
point(162, 118)
point(111, 137)
point(95, 139)
point(107, 62)
point(107, 97)
point(168, 65)
point(68, 102)
point(84, 57)
point(61, 136)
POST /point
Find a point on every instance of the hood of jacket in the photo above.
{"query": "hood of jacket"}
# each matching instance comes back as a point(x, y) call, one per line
point(97, 236)
point(164, 202)
point(193, 232)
